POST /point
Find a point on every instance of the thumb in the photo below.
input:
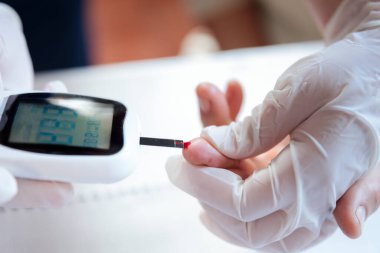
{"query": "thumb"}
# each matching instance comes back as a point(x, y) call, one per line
point(360, 201)
point(8, 186)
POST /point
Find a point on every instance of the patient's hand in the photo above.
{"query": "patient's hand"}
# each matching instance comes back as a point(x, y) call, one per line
point(218, 108)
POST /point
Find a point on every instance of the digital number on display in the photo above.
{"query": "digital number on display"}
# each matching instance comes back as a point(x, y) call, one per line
point(82, 125)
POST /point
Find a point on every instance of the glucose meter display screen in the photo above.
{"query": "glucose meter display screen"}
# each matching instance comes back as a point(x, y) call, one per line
point(68, 122)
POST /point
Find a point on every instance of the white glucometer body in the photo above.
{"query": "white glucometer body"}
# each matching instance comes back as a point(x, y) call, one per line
point(67, 137)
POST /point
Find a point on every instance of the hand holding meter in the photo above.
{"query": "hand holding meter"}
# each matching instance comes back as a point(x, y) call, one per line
point(66, 137)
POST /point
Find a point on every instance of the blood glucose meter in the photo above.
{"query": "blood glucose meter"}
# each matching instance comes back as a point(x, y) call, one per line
point(67, 137)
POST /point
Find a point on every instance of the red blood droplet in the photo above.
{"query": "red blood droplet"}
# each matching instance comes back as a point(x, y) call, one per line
point(186, 144)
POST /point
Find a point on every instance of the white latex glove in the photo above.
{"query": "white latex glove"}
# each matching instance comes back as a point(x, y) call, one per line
point(329, 104)
point(16, 70)
point(16, 73)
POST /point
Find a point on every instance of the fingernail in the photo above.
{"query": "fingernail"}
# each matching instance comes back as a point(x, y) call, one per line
point(204, 105)
point(361, 215)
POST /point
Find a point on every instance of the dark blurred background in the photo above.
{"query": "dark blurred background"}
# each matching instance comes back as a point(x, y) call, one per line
point(73, 33)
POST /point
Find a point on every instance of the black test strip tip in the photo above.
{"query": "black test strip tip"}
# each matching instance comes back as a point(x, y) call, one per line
point(161, 142)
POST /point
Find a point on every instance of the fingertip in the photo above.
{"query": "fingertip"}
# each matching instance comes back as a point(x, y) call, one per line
point(206, 86)
point(234, 85)
point(346, 212)
point(203, 99)
point(359, 202)
point(201, 88)
point(347, 220)
point(202, 153)
point(213, 105)
point(193, 153)
point(205, 90)
point(234, 96)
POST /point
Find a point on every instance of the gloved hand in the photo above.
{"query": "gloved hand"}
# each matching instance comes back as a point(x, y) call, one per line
point(218, 108)
point(16, 73)
point(328, 104)
point(16, 70)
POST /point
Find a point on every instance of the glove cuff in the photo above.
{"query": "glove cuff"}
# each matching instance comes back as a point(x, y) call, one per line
point(352, 16)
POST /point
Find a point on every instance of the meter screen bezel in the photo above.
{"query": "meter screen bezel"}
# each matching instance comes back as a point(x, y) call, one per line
point(116, 140)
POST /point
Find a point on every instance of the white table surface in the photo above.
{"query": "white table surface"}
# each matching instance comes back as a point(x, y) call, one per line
point(145, 213)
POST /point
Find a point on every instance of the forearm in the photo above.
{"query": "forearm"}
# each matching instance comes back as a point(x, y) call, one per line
point(322, 10)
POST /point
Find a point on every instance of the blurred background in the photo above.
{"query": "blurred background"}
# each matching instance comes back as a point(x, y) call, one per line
point(72, 33)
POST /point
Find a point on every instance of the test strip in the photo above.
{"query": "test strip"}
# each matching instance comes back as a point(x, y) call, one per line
point(161, 142)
